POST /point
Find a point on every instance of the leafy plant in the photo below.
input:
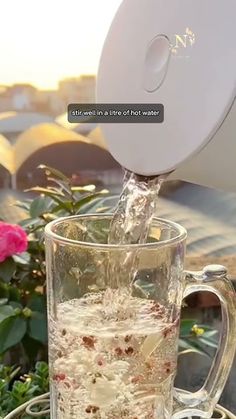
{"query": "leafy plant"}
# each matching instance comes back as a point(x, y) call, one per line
point(196, 338)
point(193, 338)
point(23, 325)
point(14, 394)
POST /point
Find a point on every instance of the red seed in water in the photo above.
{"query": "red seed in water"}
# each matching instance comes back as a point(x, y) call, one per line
point(89, 341)
point(167, 364)
point(136, 379)
point(59, 377)
point(148, 365)
point(155, 307)
point(167, 332)
point(95, 409)
point(158, 316)
point(88, 409)
point(118, 351)
point(129, 350)
point(91, 409)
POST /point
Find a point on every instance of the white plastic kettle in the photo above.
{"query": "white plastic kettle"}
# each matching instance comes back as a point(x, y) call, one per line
point(182, 54)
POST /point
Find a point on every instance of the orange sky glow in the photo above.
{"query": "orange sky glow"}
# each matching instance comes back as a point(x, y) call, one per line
point(42, 42)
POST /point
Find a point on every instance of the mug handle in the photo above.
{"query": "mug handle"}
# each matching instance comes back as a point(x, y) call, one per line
point(214, 279)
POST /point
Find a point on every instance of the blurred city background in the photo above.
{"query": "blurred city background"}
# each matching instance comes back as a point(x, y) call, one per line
point(34, 129)
point(49, 60)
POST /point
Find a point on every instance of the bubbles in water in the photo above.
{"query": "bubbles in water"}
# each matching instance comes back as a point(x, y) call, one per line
point(109, 363)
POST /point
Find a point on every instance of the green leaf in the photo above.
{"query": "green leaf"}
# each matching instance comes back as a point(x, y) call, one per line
point(184, 344)
point(41, 368)
point(37, 302)
point(3, 301)
point(5, 312)
point(193, 350)
point(23, 205)
point(191, 347)
point(204, 326)
point(87, 200)
point(57, 197)
point(4, 290)
point(7, 269)
point(208, 342)
point(48, 217)
point(22, 392)
point(56, 173)
point(210, 333)
point(22, 259)
point(63, 185)
point(40, 229)
point(49, 191)
point(91, 207)
point(16, 304)
point(41, 377)
point(12, 331)
point(30, 222)
point(186, 326)
point(38, 327)
point(83, 189)
point(103, 210)
point(39, 206)
point(14, 293)
point(65, 205)
point(194, 343)
point(8, 372)
point(31, 347)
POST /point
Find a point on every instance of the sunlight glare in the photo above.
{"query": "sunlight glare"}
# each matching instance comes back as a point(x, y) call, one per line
point(45, 41)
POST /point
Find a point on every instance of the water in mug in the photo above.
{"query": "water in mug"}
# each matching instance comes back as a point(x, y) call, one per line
point(113, 353)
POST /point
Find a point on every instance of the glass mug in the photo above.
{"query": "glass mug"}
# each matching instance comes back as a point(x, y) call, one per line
point(113, 330)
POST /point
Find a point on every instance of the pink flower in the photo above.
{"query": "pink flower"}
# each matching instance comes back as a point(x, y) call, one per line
point(13, 240)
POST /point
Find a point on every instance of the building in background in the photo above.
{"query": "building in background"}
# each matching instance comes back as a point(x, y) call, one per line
point(49, 102)
point(23, 96)
point(18, 97)
point(26, 109)
point(78, 89)
point(6, 102)
point(26, 98)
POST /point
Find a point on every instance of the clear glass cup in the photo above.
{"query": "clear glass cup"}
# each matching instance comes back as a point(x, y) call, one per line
point(113, 331)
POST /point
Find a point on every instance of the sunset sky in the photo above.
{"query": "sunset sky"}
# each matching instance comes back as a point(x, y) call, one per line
point(44, 41)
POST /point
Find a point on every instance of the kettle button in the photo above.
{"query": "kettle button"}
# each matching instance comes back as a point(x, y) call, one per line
point(156, 62)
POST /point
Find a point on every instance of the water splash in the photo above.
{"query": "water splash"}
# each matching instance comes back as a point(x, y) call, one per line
point(135, 210)
point(131, 224)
